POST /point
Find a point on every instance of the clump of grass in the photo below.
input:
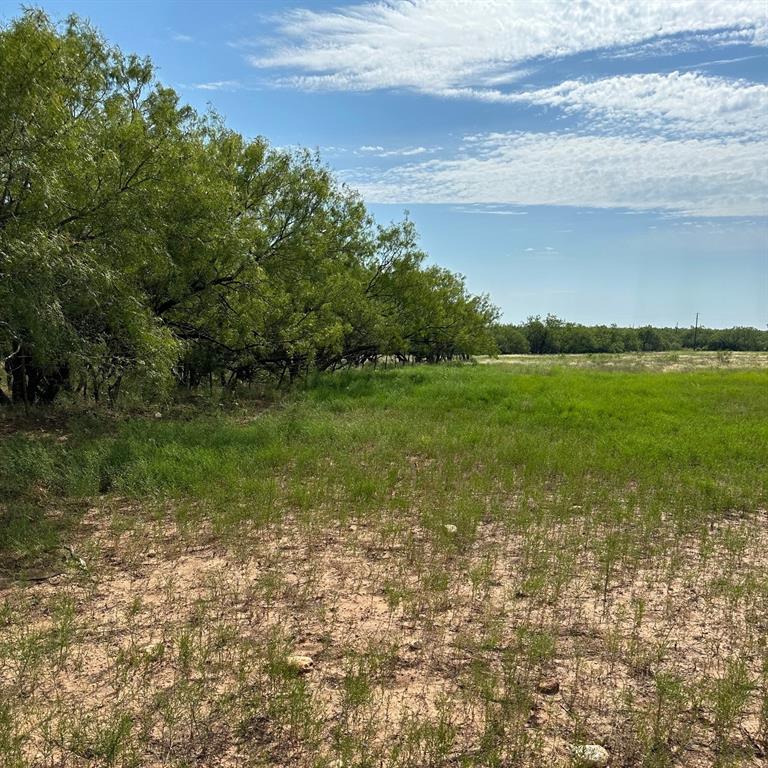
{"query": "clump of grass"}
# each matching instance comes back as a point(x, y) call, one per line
point(727, 696)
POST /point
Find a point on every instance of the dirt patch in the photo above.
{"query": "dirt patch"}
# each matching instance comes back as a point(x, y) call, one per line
point(426, 651)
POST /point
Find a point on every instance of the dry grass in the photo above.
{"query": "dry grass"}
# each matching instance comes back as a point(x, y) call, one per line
point(683, 360)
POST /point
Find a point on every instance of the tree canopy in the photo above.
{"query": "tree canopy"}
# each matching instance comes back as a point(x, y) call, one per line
point(552, 335)
point(142, 243)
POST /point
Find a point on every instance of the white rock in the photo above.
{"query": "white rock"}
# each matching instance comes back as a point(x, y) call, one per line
point(450, 527)
point(590, 755)
point(302, 664)
point(158, 415)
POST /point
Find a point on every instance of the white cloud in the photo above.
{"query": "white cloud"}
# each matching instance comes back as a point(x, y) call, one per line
point(488, 210)
point(712, 62)
point(545, 254)
point(378, 151)
point(218, 85)
point(180, 38)
point(689, 42)
point(681, 142)
point(437, 46)
point(689, 103)
point(692, 176)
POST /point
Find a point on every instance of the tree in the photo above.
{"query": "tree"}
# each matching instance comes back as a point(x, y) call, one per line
point(543, 335)
point(651, 339)
point(511, 340)
point(141, 242)
point(80, 149)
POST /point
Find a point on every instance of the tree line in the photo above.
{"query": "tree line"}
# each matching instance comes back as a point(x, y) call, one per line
point(552, 335)
point(143, 244)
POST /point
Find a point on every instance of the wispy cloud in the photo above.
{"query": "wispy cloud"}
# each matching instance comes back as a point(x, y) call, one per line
point(677, 142)
point(488, 210)
point(690, 42)
point(545, 254)
point(714, 62)
point(688, 103)
point(691, 176)
point(180, 38)
point(218, 85)
point(378, 151)
point(457, 47)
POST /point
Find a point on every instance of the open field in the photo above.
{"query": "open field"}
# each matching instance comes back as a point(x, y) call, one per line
point(487, 565)
point(682, 360)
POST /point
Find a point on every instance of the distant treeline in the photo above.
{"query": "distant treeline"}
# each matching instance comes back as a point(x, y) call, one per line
point(143, 244)
point(551, 335)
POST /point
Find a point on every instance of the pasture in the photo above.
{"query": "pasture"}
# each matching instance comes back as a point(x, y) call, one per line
point(485, 566)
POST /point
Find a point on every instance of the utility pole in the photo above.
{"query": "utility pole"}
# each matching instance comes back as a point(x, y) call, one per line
point(695, 331)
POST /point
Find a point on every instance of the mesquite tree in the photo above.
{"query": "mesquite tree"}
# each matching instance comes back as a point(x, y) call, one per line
point(143, 244)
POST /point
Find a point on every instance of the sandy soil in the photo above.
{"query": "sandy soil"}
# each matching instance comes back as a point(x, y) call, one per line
point(428, 624)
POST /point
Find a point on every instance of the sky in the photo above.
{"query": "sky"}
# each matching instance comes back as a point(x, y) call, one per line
point(602, 160)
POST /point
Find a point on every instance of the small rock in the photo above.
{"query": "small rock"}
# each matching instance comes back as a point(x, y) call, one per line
point(62, 438)
point(450, 527)
point(158, 415)
point(590, 755)
point(549, 686)
point(302, 664)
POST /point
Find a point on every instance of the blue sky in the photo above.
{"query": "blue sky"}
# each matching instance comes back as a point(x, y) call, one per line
point(606, 161)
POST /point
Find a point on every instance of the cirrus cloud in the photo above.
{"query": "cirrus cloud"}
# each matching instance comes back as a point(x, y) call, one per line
point(688, 103)
point(683, 142)
point(695, 177)
point(438, 45)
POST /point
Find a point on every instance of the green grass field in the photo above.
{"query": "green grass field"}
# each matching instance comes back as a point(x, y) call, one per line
point(489, 565)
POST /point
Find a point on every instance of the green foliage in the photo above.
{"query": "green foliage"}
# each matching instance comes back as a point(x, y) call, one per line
point(511, 340)
point(142, 243)
point(555, 336)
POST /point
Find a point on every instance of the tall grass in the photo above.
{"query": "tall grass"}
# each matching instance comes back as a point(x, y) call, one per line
point(444, 444)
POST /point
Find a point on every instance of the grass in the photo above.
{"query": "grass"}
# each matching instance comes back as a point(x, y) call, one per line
point(439, 539)
point(693, 445)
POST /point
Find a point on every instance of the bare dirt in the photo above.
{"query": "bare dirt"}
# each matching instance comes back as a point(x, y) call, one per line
point(433, 629)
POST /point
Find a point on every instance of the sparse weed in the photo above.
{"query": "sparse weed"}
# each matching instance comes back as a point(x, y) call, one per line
point(727, 697)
